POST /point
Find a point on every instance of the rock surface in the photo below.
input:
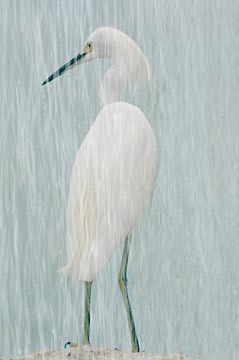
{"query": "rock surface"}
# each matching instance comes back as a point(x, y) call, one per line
point(94, 353)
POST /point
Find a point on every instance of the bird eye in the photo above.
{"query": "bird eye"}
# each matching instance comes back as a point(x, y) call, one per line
point(90, 46)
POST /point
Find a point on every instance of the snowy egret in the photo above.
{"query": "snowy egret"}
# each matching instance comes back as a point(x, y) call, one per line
point(114, 171)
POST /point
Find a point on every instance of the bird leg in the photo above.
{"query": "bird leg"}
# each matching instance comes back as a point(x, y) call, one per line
point(122, 280)
point(86, 337)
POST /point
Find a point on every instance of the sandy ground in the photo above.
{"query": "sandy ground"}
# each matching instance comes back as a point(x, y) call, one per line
point(93, 353)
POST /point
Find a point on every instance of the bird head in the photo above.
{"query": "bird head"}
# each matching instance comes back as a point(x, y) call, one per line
point(99, 45)
point(107, 42)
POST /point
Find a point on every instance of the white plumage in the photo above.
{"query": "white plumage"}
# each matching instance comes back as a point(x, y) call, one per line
point(111, 182)
point(114, 170)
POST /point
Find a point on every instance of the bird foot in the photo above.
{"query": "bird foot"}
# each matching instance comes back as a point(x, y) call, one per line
point(70, 344)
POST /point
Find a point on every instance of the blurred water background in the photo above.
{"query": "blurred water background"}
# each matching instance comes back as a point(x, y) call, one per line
point(183, 267)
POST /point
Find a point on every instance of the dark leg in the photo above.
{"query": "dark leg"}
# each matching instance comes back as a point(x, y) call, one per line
point(122, 279)
point(86, 337)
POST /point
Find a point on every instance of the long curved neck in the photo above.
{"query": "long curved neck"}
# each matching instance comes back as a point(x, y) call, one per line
point(115, 83)
point(129, 70)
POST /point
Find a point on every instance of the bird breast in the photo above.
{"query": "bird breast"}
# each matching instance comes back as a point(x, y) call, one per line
point(111, 182)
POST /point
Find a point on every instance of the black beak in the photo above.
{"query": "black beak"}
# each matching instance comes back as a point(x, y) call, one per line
point(70, 64)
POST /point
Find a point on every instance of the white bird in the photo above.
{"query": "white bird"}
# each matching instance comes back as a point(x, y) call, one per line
point(114, 171)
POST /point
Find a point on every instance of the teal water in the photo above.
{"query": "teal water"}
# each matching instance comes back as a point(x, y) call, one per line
point(183, 267)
